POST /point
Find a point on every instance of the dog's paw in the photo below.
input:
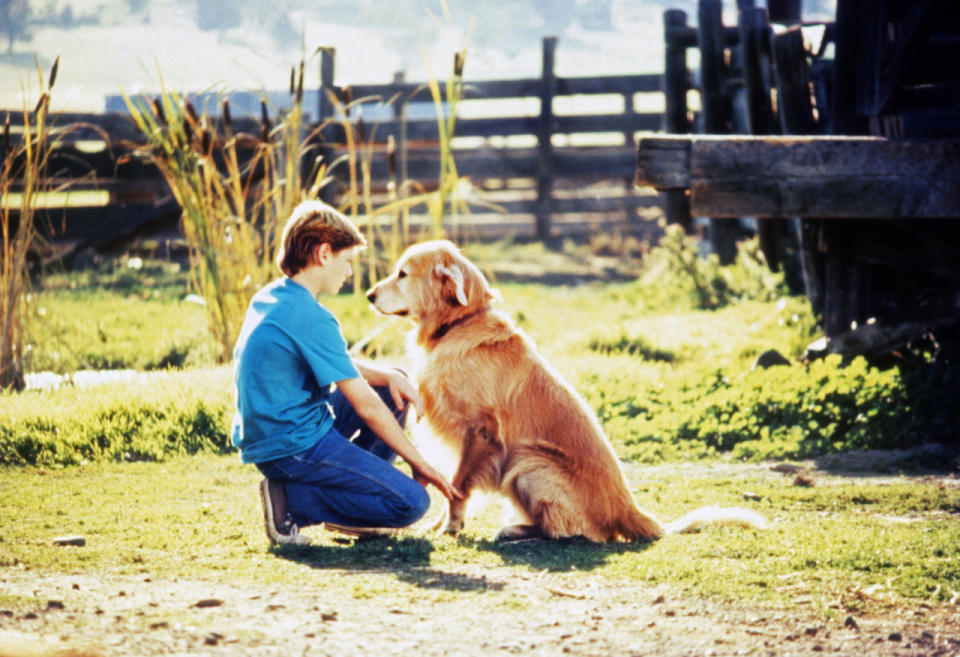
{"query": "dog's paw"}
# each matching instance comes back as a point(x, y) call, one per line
point(454, 525)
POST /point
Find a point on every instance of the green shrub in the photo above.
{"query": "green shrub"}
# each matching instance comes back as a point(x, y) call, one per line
point(153, 418)
point(682, 277)
point(782, 412)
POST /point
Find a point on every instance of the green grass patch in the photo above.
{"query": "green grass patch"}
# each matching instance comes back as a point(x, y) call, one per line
point(199, 518)
point(152, 418)
point(665, 385)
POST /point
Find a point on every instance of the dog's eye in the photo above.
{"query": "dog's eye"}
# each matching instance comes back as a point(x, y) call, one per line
point(402, 274)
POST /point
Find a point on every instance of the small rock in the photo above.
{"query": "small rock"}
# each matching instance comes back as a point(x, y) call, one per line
point(78, 541)
point(851, 623)
point(329, 616)
point(207, 603)
point(55, 604)
point(769, 358)
point(786, 468)
point(750, 495)
point(803, 480)
point(895, 636)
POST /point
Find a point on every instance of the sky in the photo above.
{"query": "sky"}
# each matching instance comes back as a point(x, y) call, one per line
point(109, 46)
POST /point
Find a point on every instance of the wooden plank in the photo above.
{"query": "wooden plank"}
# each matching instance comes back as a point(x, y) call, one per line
point(817, 177)
point(520, 88)
point(426, 129)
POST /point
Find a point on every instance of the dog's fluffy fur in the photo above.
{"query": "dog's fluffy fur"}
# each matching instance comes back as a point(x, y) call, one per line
point(517, 426)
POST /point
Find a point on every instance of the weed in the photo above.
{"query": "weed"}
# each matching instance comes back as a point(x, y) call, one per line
point(23, 167)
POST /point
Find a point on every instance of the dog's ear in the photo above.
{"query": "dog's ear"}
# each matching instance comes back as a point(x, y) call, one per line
point(454, 274)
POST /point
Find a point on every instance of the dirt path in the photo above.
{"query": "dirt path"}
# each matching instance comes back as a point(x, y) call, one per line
point(504, 613)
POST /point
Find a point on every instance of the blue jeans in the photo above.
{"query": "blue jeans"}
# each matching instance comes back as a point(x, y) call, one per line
point(349, 482)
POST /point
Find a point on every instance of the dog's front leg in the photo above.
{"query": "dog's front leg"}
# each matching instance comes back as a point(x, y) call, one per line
point(457, 507)
point(480, 466)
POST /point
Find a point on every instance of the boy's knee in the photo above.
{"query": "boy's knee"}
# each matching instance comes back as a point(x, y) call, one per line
point(417, 503)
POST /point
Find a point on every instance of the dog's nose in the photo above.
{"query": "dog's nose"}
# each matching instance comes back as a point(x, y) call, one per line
point(372, 294)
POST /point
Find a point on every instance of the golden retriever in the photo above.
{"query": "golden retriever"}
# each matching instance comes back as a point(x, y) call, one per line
point(517, 426)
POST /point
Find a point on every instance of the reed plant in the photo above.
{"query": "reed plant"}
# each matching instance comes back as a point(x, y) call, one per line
point(447, 201)
point(235, 189)
point(22, 180)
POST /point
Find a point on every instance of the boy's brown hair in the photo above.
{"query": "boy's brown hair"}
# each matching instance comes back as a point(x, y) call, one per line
point(311, 224)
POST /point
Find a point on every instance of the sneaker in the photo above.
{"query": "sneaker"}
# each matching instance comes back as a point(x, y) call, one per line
point(281, 530)
point(361, 532)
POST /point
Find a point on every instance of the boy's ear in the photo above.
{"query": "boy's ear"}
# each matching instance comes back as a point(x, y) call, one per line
point(322, 252)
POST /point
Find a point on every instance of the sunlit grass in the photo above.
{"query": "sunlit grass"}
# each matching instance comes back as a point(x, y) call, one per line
point(829, 546)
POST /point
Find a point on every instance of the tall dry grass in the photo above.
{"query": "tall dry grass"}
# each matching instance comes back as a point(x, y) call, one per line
point(22, 180)
point(235, 190)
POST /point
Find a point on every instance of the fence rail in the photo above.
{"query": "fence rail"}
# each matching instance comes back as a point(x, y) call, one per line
point(547, 155)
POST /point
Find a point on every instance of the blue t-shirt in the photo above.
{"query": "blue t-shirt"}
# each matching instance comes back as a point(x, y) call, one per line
point(289, 352)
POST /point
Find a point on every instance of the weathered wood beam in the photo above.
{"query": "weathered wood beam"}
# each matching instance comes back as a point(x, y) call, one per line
point(814, 177)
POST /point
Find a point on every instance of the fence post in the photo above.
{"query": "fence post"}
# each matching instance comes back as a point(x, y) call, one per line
point(325, 106)
point(324, 113)
point(676, 203)
point(796, 118)
point(755, 46)
point(548, 88)
point(755, 42)
point(716, 106)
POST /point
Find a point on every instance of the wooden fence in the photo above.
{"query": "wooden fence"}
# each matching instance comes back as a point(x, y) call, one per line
point(551, 169)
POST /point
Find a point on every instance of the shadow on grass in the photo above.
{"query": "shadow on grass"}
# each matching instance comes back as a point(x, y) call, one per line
point(560, 555)
point(406, 557)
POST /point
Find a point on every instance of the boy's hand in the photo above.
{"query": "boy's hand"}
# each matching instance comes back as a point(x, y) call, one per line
point(402, 390)
point(429, 476)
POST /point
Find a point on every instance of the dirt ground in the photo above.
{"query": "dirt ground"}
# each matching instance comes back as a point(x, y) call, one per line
point(461, 611)
point(535, 615)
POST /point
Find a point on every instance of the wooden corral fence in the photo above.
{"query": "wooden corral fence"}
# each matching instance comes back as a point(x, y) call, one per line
point(853, 153)
point(554, 170)
point(549, 149)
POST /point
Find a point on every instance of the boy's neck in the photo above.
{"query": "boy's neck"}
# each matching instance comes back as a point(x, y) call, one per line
point(310, 277)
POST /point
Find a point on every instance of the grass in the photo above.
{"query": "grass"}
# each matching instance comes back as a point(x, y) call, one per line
point(666, 378)
point(199, 518)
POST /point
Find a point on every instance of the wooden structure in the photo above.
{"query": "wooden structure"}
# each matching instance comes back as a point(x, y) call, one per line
point(554, 154)
point(549, 184)
point(872, 182)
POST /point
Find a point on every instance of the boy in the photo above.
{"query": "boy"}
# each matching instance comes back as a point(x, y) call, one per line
point(325, 455)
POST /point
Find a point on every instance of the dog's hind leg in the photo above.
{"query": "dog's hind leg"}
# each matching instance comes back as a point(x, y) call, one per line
point(542, 495)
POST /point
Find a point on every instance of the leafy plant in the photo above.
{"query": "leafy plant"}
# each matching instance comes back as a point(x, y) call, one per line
point(781, 412)
point(677, 265)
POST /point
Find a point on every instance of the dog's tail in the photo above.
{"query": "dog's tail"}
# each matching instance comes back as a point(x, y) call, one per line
point(713, 515)
point(637, 525)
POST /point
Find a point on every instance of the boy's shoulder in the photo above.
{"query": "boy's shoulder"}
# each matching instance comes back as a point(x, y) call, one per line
point(284, 301)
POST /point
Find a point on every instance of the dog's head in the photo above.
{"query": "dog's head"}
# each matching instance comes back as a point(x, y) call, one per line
point(432, 284)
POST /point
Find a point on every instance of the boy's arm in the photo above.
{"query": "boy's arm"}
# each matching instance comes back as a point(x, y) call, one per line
point(378, 417)
point(401, 388)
